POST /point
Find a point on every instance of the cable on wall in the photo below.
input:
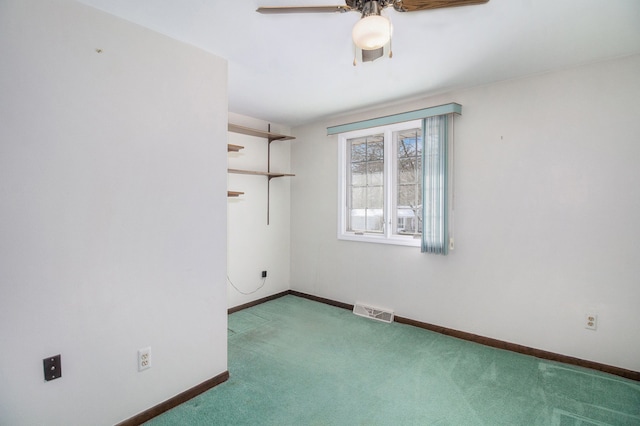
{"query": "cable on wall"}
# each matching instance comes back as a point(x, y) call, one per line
point(264, 281)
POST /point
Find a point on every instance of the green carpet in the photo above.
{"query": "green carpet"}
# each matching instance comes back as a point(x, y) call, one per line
point(297, 362)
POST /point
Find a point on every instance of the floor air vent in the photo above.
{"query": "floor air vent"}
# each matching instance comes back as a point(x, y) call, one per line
point(373, 313)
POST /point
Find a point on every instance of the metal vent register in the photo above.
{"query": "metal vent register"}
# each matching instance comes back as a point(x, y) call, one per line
point(379, 314)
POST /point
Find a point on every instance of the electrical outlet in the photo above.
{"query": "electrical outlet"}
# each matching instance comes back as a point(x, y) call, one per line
point(264, 274)
point(591, 321)
point(144, 358)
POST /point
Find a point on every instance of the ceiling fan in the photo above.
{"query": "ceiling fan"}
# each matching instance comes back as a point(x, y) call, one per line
point(373, 31)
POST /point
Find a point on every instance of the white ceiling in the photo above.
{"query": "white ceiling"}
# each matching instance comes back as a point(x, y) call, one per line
point(296, 68)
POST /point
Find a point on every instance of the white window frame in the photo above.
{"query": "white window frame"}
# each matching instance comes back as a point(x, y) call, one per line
point(390, 158)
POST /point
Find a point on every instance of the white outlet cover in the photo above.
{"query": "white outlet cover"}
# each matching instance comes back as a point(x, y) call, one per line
point(591, 322)
point(144, 358)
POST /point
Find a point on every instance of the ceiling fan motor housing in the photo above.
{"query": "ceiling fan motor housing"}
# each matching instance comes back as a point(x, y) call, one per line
point(373, 7)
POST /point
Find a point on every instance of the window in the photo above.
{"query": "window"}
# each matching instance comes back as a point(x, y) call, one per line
point(387, 194)
point(381, 184)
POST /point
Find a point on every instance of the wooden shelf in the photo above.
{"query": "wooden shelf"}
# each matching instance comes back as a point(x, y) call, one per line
point(234, 148)
point(270, 136)
point(257, 173)
point(258, 133)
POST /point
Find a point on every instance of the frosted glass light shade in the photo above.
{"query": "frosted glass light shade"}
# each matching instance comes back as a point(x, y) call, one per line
point(371, 32)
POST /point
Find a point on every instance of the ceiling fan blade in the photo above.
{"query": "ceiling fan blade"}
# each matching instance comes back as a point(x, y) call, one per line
point(303, 9)
point(414, 5)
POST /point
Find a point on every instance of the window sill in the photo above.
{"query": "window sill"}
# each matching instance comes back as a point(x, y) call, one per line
point(398, 241)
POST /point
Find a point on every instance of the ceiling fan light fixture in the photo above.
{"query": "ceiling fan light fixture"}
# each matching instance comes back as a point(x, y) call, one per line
point(372, 32)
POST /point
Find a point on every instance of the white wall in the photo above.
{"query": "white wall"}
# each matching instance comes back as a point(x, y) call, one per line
point(254, 246)
point(547, 201)
point(112, 207)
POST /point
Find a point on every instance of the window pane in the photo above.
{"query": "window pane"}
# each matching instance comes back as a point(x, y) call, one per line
point(356, 220)
point(408, 193)
point(375, 220)
point(375, 148)
point(409, 170)
point(359, 198)
point(366, 184)
point(409, 143)
point(358, 174)
point(409, 221)
point(375, 173)
point(407, 196)
point(375, 197)
point(358, 149)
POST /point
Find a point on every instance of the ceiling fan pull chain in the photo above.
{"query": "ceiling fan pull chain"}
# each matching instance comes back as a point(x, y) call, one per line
point(355, 55)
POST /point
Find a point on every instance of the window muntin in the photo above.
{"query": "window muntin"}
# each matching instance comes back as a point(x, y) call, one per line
point(381, 190)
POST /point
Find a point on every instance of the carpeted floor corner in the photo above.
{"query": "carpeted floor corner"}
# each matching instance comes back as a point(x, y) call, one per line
point(297, 362)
